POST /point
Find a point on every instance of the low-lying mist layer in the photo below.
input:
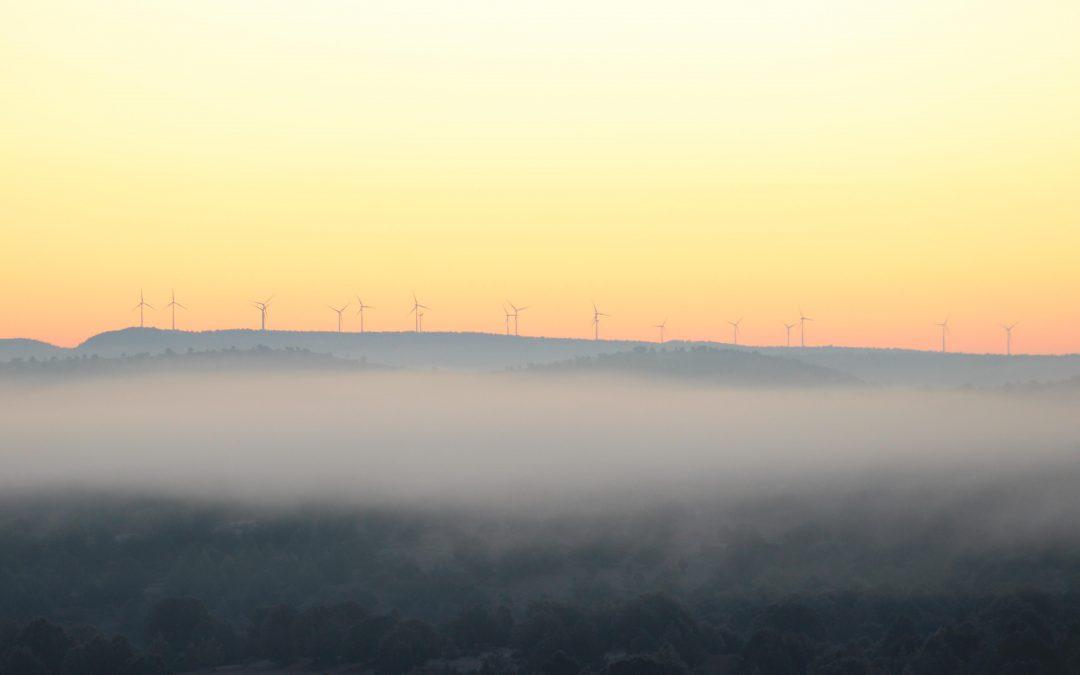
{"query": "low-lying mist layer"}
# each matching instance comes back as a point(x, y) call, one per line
point(537, 522)
point(506, 441)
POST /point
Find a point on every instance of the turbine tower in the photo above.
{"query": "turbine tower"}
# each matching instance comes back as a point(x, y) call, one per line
point(596, 314)
point(141, 307)
point(418, 315)
point(802, 328)
point(262, 307)
point(173, 304)
point(517, 310)
point(735, 330)
point(361, 307)
point(1008, 336)
point(788, 327)
point(339, 313)
point(509, 315)
point(661, 326)
point(944, 325)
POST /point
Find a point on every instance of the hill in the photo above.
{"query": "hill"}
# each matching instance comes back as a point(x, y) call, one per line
point(905, 367)
point(455, 351)
point(22, 348)
point(259, 359)
point(492, 352)
point(704, 364)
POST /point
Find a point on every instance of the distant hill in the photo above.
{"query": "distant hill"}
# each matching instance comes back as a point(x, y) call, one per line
point(492, 352)
point(21, 348)
point(455, 351)
point(259, 359)
point(1068, 387)
point(934, 369)
point(705, 365)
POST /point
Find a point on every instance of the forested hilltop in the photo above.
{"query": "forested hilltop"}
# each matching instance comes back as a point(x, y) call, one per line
point(785, 586)
point(704, 365)
point(247, 360)
point(472, 351)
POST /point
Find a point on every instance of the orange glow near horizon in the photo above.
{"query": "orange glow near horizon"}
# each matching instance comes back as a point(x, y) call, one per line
point(881, 166)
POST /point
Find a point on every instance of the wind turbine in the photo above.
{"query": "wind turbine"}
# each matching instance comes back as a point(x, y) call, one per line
point(944, 325)
point(661, 326)
point(419, 318)
point(339, 312)
point(788, 327)
point(596, 314)
point(173, 304)
point(509, 315)
point(802, 328)
point(735, 330)
point(1008, 336)
point(515, 315)
point(262, 307)
point(360, 310)
point(141, 306)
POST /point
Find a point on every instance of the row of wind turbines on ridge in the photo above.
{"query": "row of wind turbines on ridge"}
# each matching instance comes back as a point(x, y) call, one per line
point(512, 314)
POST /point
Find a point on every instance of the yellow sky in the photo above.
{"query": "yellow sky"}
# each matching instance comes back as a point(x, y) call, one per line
point(880, 164)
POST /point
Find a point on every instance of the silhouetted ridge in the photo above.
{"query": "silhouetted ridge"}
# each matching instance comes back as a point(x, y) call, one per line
point(261, 359)
point(497, 352)
point(930, 368)
point(22, 348)
point(455, 351)
point(704, 364)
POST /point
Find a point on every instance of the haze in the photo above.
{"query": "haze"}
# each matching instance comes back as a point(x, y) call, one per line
point(505, 442)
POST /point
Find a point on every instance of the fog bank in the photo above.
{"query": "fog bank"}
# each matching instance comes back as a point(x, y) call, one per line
point(508, 441)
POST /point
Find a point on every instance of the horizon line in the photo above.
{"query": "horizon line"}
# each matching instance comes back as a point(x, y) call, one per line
point(342, 334)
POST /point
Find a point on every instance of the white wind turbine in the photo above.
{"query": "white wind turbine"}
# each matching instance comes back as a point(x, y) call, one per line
point(1008, 336)
point(661, 326)
point(735, 331)
point(339, 313)
point(802, 328)
point(788, 327)
point(360, 310)
point(263, 308)
point(944, 325)
point(419, 315)
point(517, 311)
point(141, 307)
point(596, 321)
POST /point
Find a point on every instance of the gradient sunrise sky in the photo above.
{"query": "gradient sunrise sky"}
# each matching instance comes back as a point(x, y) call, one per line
point(882, 165)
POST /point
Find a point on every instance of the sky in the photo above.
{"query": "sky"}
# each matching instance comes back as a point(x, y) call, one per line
point(880, 165)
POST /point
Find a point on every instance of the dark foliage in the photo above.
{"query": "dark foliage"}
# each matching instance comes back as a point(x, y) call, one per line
point(169, 588)
point(41, 647)
point(702, 363)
